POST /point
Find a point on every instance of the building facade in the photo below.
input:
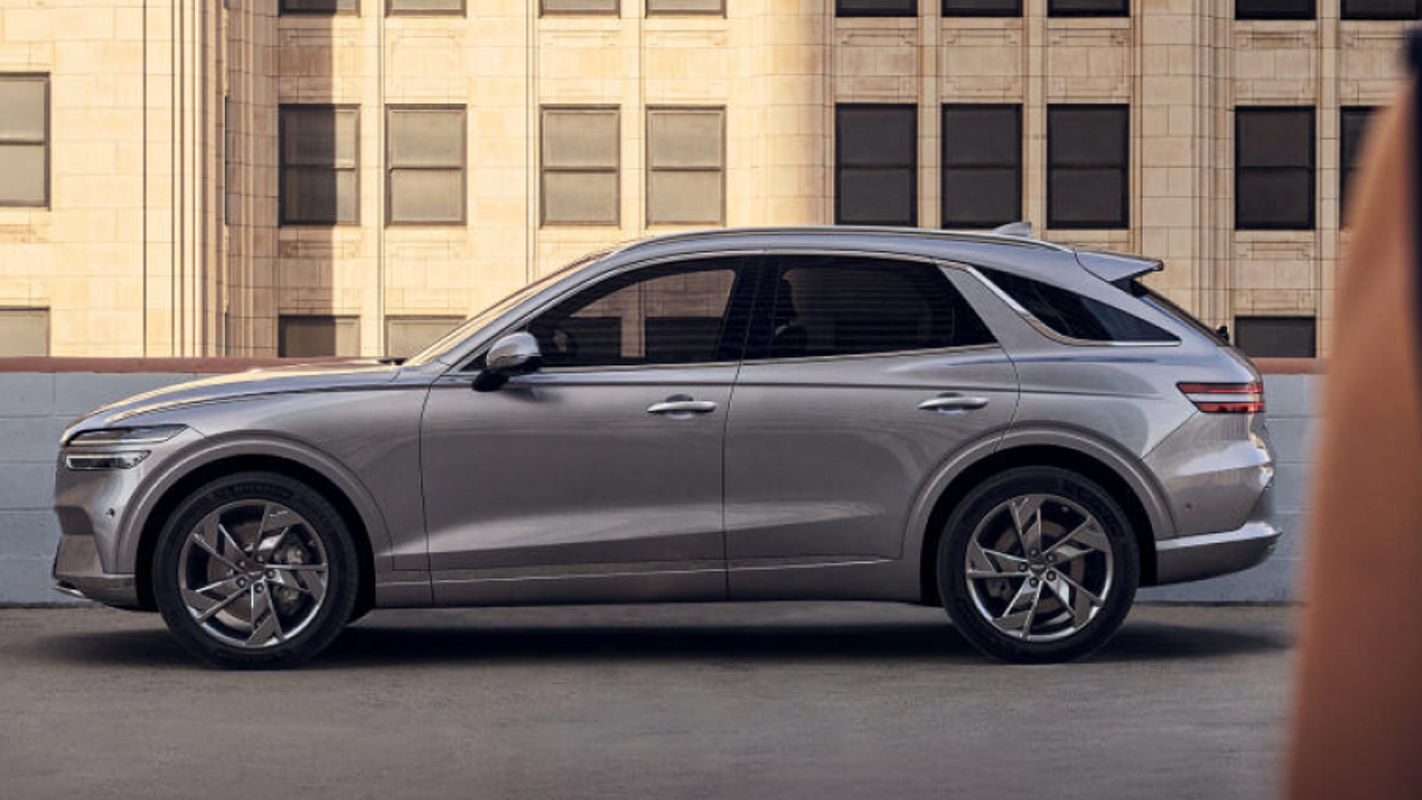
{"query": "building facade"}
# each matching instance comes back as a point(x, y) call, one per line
point(302, 177)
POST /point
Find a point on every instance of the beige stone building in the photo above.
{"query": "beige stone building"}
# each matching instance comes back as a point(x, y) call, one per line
point(180, 177)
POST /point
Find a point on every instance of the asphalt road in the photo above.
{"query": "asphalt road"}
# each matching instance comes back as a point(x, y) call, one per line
point(788, 700)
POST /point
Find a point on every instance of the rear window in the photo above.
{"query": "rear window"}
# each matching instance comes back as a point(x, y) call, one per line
point(1075, 316)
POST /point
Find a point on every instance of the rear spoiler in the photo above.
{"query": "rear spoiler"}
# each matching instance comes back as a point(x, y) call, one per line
point(1116, 267)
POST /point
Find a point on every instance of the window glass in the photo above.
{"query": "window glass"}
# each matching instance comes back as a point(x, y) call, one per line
point(24, 331)
point(876, 8)
point(1273, 170)
point(580, 6)
point(982, 8)
point(427, 6)
point(405, 336)
point(1088, 8)
point(1273, 9)
point(1088, 158)
point(1276, 337)
point(312, 336)
point(876, 164)
point(982, 165)
point(1073, 315)
point(658, 315)
point(1381, 9)
point(685, 165)
point(24, 140)
point(685, 6)
point(580, 166)
point(1353, 122)
point(319, 6)
point(426, 164)
point(837, 305)
point(318, 165)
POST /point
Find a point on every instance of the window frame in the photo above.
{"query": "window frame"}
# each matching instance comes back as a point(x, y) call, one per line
point(282, 221)
point(544, 11)
point(47, 143)
point(390, 167)
point(649, 170)
point(944, 166)
point(841, 13)
point(1239, 172)
point(283, 11)
point(1124, 222)
point(391, 11)
point(544, 169)
point(1345, 169)
point(912, 165)
point(1123, 11)
point(1311, 14)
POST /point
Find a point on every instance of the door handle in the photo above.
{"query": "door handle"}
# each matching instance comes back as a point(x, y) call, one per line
point(950, 403)
point(681, 406)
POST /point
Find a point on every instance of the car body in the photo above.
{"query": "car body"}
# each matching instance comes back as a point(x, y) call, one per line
point(782, 458)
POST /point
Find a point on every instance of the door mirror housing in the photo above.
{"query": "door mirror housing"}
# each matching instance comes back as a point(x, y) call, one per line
point(513, 354)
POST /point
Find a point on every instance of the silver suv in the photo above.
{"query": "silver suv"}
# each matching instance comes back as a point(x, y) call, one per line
point(1019, 431)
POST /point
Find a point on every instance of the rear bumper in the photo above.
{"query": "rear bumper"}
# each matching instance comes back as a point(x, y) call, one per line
point(1190, 558)
point(78, 573)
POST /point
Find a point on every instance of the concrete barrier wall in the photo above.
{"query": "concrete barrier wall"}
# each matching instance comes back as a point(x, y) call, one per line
point(36, 406)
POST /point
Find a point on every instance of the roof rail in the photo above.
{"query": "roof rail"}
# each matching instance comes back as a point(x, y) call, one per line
point(994, 237)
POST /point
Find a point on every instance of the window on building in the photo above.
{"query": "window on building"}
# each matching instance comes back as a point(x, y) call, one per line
point(686, 6)
point(24, 140)
point(405, 336)
point(24, 332)
point(1273, 168)
point(876, 164)
point(1274, 9)
point(1088, 8)
point(580, 166)
point(1382, 9)
point(229, 166)
point(319, 184)
point(851, 306)
point(313, 336)
point(876, 8)
point(1088, 166)
point(686, 165)
point(1353, 121)
point(982, 8)
point(580, 6)
point(320, 6)
point(1076, 316)
point(982, 165)
point(425, 147)
point(678, 314)
point(425, 6)
point(1276, 337)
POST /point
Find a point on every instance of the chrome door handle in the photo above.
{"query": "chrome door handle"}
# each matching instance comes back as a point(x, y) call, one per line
point(677, 406)
point(948, 403)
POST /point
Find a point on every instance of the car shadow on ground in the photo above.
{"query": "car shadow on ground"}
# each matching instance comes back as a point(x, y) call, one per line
point(377, 642)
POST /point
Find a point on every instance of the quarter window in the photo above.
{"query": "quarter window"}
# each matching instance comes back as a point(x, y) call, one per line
point(876, 164)
point(1273, 170)
point(1087, 160)
point(843, 306)
point(670, 315)
point(24, 140)
point(1075, 316)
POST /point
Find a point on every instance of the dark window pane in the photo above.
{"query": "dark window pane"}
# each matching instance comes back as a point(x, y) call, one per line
point(1088, 158)
point(981, 197)
point(982, 165)
point(1274, 174)
point(831, 305)
point(319, 6)
point(1088, 8)
point(1074, 315)
point(876, 173)
point(982, 8)
point(301, 336)
point(1381, 9)
point(1274, 9)
point(1276, 337)
point(876, 8)
point(1353, 122)
point(319, 165)
point(672, 315)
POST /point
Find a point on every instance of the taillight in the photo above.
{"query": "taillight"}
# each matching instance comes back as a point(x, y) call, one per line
point(1226, 398)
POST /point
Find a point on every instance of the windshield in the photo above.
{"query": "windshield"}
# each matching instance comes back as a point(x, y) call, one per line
point(465, 329)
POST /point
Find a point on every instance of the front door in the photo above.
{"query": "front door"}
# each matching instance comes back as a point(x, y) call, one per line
point(598, 477)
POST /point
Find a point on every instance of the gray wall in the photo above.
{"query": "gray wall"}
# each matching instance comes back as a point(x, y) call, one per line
point(35, 408)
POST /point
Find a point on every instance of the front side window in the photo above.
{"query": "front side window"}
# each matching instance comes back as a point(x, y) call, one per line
point(319, 163)
point(1088, 160)
point(680, 314)
point(24, 140)
point(850, 306)
point(1273, 168)
point(1075, 316)
point(876, 164)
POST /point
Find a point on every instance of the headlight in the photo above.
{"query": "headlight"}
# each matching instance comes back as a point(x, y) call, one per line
point(120, 460)
point(150, 434)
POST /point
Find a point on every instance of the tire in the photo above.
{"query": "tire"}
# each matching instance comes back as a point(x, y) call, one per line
point(255, 570)
point(1027, 604)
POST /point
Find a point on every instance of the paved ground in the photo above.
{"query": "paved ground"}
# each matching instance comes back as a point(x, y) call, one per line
point(781, 700)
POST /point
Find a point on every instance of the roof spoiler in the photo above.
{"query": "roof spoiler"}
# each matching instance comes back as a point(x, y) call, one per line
point(1117, 267)
point(1022, 229)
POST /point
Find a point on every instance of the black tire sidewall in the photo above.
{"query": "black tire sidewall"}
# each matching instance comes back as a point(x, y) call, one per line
point(325, 522)
point(952, 550)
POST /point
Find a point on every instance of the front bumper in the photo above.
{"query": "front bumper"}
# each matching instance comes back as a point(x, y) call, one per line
point(78, 573)
point(1190, 558)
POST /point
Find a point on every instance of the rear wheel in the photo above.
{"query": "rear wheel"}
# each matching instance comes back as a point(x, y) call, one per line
point(255, 570)
point(1038, 564)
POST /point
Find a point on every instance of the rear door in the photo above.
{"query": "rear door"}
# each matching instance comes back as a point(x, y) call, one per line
point(862, 376)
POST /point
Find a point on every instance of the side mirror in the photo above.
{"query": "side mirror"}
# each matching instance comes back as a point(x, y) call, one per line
point(513, 354)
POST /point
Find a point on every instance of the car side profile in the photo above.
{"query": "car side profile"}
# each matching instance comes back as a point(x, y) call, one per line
point(1016, 430)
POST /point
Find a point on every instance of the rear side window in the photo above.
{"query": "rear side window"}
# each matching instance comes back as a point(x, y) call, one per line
point(1072, 315)
point(841, 306)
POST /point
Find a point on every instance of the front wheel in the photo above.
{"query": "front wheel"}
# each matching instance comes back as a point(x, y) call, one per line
point(255, 569)
point(1038, 564)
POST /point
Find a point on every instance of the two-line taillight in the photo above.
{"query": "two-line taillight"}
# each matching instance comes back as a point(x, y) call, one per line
point(1226, 398)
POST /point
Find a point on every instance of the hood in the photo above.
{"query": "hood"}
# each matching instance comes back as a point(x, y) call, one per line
point(276, 380)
